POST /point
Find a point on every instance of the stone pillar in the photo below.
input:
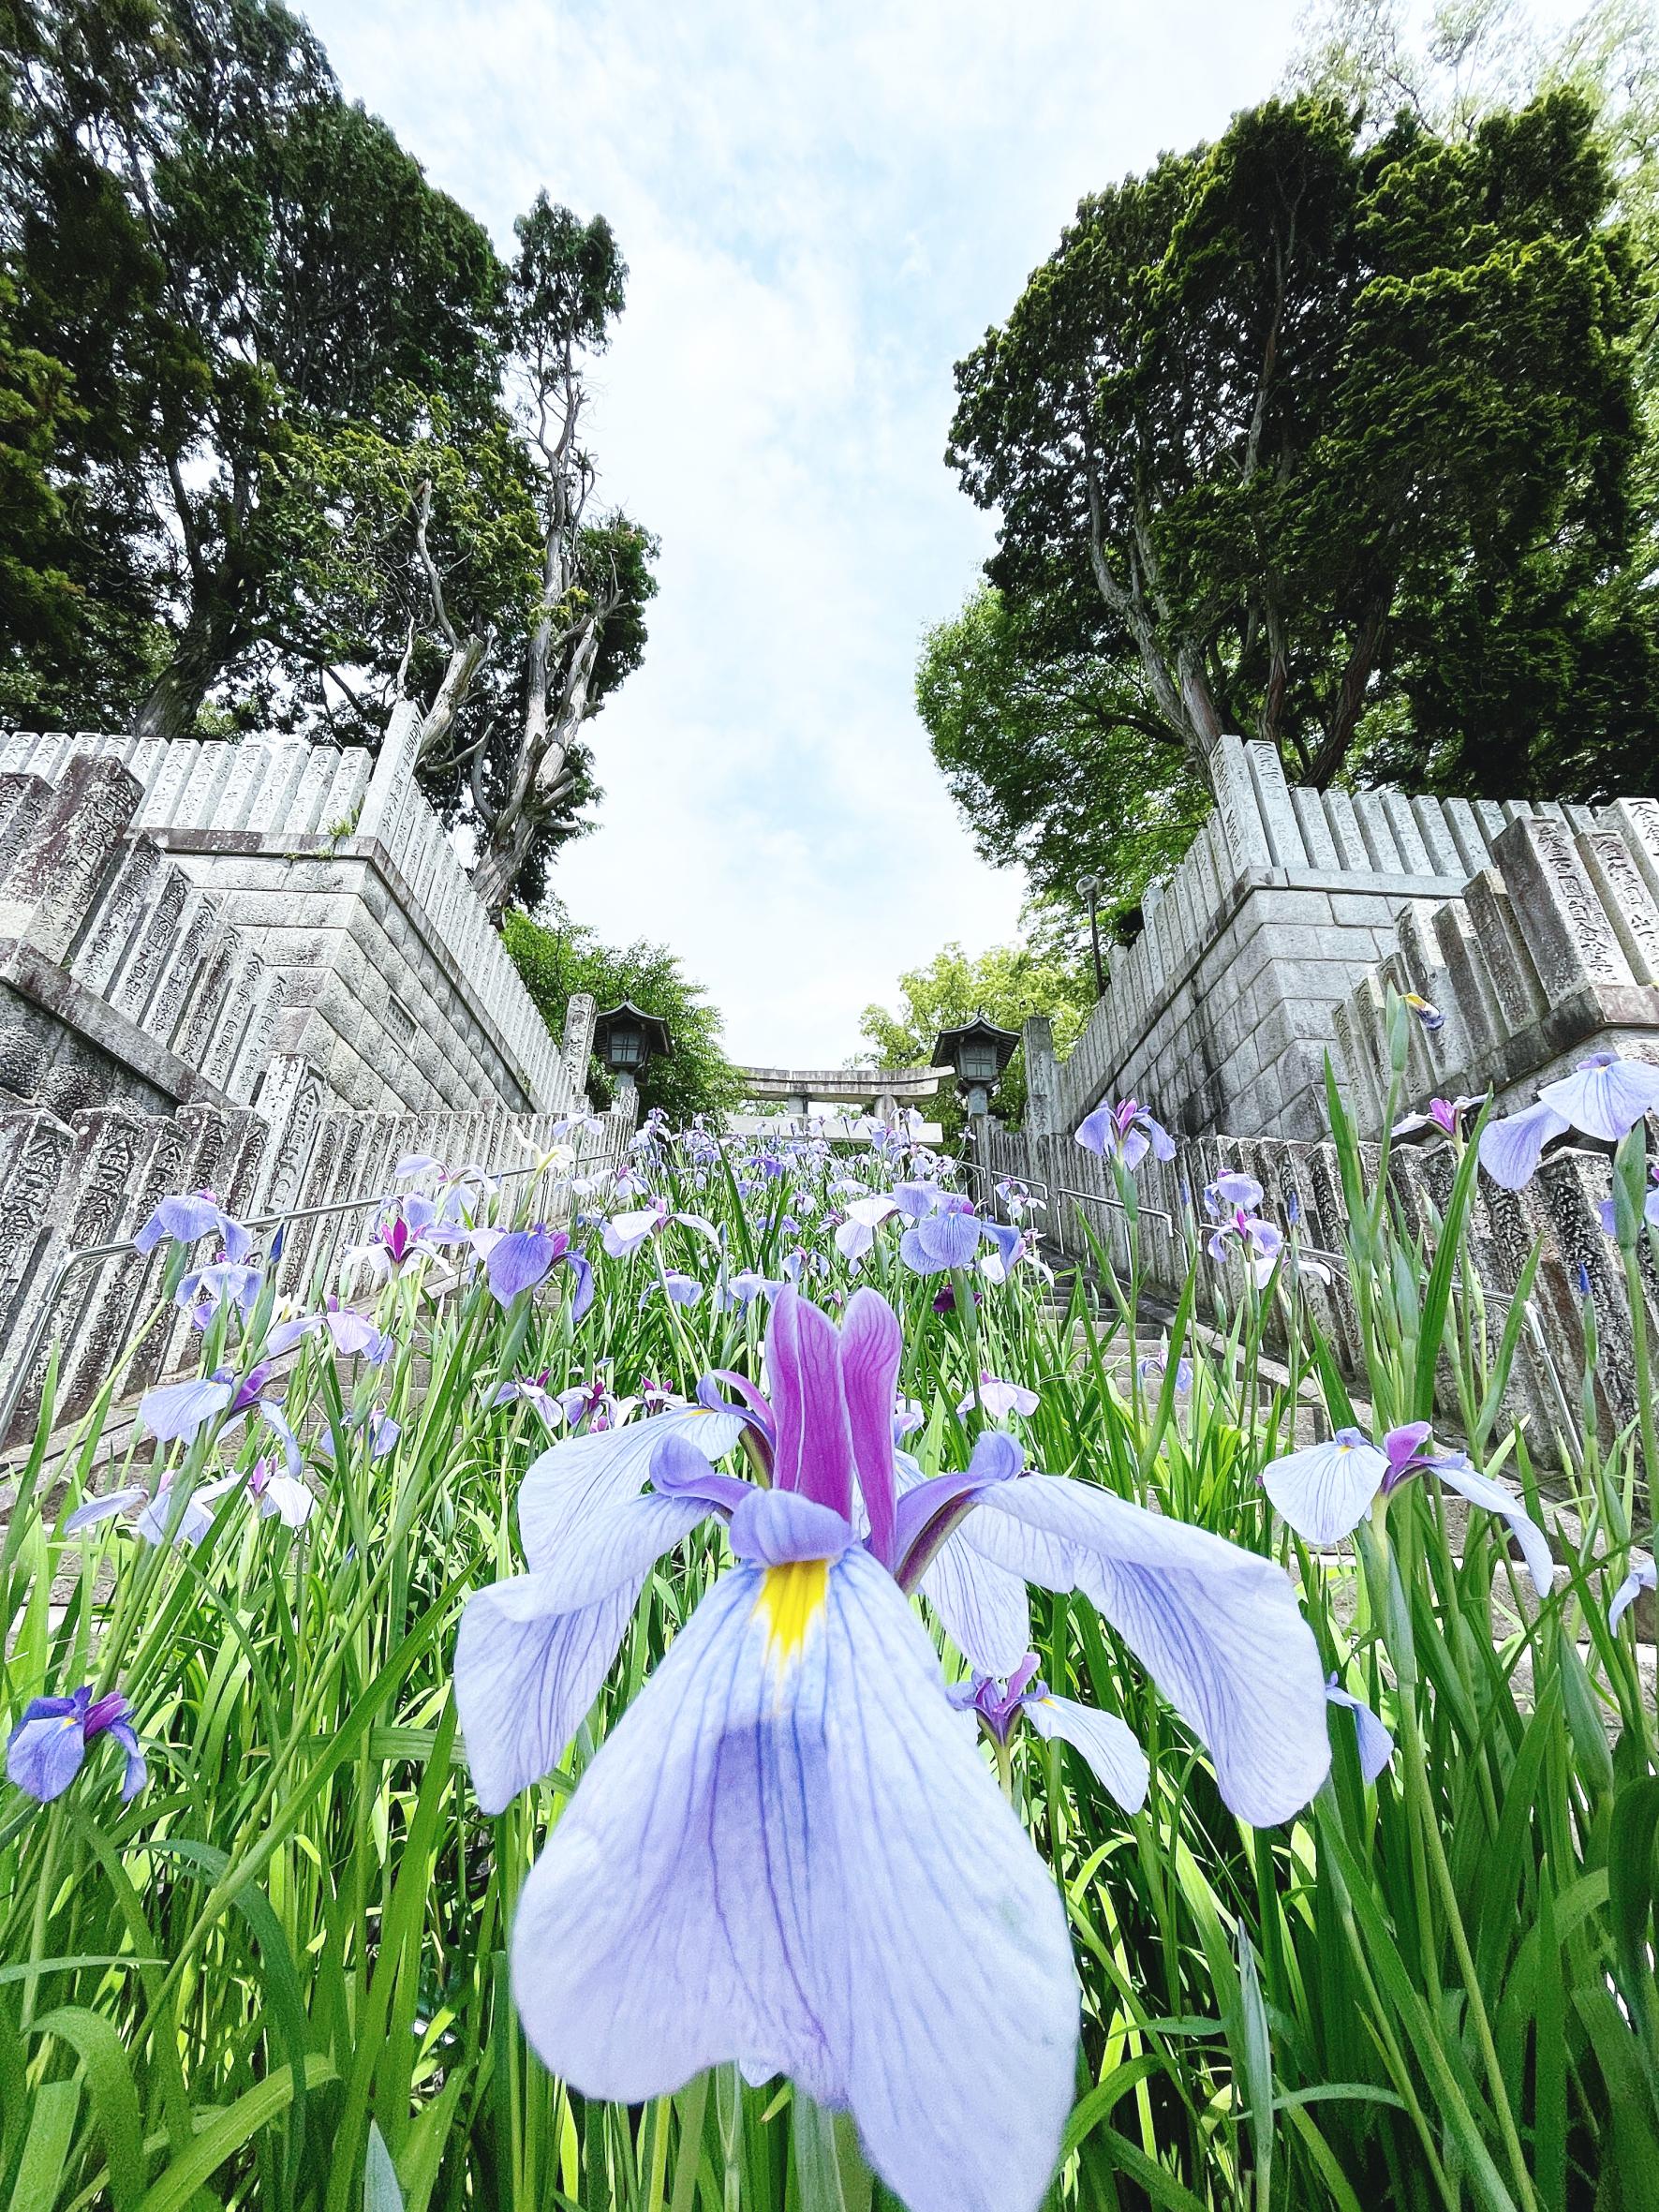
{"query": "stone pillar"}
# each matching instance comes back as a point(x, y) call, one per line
point(1243, 831)
point(1043, 1112)
point(1566, 930)
point(51, 884)
point(577, 1045)
point(393, 775)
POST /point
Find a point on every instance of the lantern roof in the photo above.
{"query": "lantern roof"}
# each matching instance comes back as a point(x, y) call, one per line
point(977, 1029)
point(654, 1030)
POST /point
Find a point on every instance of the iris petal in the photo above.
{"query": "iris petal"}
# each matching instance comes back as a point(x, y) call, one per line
point(1105, 1742)
point(1326, 1490)
point(872, 1344)
point(531, 1653)
point(1218, 1628)
point(176, 1411)
point(1511, 1149)
point(1481, 1490)
point(1375, 1743)
point(983, 1608)
point(582, 1475)
point(46, 1753)
point(804, 1865)
point(1605, 1098)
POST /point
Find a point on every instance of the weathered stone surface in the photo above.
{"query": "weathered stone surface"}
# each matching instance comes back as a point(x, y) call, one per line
point(1572, 942)
point(1626, 898)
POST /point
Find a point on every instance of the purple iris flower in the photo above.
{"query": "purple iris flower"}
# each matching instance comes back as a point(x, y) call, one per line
point(856, 1234)
point(519, 1260)
point(917, 1200)
point(45, 1750)
point(381, 1430)
point(952, 1238)
point(1642, 1576)
point(625, 1233)
point(227, 1282)
point(533, 1389)
point(1605, 1097)
point(999, 1398)
point(153, 1515)
point(1156, 1365)
point(1324, 1490)
point(1231, 1192)
point(269, 1489)
point(409, 1233)
point(189, 1218)
point(1110, 1747)
point(787, 1853)
point(681, 1289)
point(1443, 1116)
point(738, 1292)
point(353, 1333)
point(1375, 1743)
point(1259, 1240)
point(177, 1412)
point(1125, 1132)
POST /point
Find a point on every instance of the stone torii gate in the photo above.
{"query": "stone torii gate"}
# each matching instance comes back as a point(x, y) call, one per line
point(881, 1090)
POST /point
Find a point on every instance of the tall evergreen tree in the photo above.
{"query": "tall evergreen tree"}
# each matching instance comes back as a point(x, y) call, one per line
point(1334, 438)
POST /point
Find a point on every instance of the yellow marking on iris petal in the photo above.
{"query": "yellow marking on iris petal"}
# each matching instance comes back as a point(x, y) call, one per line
point(792, 1598)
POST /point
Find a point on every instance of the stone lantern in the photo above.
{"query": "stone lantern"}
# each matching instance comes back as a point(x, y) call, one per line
point(626, 1039)
point(978, 1052)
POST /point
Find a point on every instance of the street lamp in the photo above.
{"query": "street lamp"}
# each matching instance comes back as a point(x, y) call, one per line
point(1091, 887)
point(978, 1052)
point(626, 1039)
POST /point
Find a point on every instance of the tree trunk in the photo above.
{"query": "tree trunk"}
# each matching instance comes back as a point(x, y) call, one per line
point(496, 870)
point(205, 648)
point(467, 657)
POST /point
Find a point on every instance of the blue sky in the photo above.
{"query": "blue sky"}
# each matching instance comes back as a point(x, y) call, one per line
point(822, 207)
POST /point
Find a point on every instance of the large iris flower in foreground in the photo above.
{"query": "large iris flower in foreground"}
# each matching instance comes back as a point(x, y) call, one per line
point(788, 1852)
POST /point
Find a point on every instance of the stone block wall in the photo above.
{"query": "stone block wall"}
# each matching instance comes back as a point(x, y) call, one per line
point(122, 982)
point(336, 871)
point(90, 1178)
point(1547, 955)
point(1221, 1012)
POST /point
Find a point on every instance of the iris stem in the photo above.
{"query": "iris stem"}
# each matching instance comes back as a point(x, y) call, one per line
point(660, 2113)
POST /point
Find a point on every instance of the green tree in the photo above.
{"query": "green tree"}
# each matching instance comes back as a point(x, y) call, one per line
point(1055, 758)
point(557, 957)
point(228, 259)
point(1007, 984)
point(1286, 429)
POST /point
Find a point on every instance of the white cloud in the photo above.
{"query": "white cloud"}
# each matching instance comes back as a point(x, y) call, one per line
point(822, 207)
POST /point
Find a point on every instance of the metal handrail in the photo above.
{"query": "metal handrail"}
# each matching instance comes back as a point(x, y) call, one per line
point(1540, 1346)
point(12, 1397)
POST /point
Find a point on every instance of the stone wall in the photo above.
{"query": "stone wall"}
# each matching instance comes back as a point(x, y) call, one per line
point(122, 982)
point(1547, 956)
point(1302, 1179)
point(1221, 1012)
point(90, 1180)
point(336, 872)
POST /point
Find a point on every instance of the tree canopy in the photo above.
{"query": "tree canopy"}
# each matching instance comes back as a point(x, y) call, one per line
point(1329, 436)
point(282, 438)
point(558, 957)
